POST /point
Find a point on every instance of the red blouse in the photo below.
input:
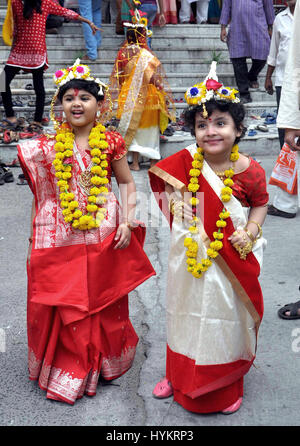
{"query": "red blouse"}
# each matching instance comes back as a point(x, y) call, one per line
point(250, 186)
point(29, 41)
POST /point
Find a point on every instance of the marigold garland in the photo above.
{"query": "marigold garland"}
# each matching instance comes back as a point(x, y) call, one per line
point(198, 268)
point(63, 172)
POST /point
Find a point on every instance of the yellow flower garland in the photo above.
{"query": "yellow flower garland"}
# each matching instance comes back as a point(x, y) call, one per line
point(194, 267)
point(96, 198)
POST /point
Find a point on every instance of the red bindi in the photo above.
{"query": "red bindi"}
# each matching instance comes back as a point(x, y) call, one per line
point(76, 91)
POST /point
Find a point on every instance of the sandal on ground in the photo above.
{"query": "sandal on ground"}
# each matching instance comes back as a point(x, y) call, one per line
point(14, 136)
point(17, 103)
point(272, 210)
point(5, 174)
point(163, 389)
point(233, 408)
point(6, 124)
point(262, 128)
point(21, 180)
point(292, 308)
point(6, 137)
point(26, 135)
point(14, 163)
point(35, 127)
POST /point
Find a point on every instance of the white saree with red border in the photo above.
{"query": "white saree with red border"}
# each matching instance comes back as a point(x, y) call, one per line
point(212, 322)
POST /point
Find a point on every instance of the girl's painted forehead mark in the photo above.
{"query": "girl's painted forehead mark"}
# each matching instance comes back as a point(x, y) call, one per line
point(76, 91)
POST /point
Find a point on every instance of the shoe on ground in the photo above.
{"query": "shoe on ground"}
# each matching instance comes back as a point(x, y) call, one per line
point(233, 408)
point(163, 389)
point(6, 176)
point(272, 210)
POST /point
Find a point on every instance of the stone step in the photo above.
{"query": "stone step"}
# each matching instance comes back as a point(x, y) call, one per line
point(257, 146)
point(183, 79)
point(178, 93)
point(252, 109)
point(174, 66)
point(170, 41)
point(61, 52)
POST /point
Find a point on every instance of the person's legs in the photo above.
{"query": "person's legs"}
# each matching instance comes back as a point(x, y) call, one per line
point(281, 132)
point(202, 11)
point(85, 10)
point(285, 202)
point(241, 76)
point(38, 85)
point(185, 12)
point(151, 11)
point(10, 73)
point(135, 161)
point(97, 19)
point(113, 9)
point(257, 66)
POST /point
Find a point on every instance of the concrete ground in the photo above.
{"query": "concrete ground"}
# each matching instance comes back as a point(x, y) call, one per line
point(272, 392)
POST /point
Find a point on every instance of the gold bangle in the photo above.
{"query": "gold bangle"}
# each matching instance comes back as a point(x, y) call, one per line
point(250, 235)
point(259, 229)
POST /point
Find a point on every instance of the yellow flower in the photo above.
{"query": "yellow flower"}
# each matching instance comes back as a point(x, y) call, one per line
point(194, 201)
point(229, 173)
point(193, 187)
point(216, 245)
point(228, 182)
point(234, 157)
point(218, 235)
point(92, 207)
point(224, 214)
point(191, 262)
point(77, 213)
point(187, 241)
point(193, 229)
point(194, 172)
point(212, 253)
point(226, 198)
point(221, 224)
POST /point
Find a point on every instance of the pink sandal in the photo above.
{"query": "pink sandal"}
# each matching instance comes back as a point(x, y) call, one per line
point(163, 389)
point(233, 408)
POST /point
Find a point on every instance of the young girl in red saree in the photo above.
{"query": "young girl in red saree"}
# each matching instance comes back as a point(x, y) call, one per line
point(85, 254)
point(214, 300)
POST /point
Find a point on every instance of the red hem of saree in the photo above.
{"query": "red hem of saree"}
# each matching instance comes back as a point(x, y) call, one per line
point(205, 388)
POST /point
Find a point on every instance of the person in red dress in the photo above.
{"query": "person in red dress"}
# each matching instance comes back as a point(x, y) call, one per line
point(86, 251)
point(29, 52)
point(215, 201)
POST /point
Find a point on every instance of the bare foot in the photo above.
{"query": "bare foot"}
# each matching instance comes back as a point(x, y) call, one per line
point(134, 167)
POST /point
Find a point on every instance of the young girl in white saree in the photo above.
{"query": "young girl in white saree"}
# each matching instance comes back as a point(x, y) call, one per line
point(215, 200)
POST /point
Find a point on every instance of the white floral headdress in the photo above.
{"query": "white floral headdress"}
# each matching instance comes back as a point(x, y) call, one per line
point(209, 89)
point(76, 71)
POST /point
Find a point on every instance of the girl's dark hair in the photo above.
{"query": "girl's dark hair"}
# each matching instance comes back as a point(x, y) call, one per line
point(81, 84)
point(235, 109)
point(29, 6)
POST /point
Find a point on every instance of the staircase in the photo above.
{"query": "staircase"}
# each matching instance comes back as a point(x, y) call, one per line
point(185, 52)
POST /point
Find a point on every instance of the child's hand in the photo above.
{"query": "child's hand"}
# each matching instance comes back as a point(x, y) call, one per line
point(123, 235)
point(239, 238)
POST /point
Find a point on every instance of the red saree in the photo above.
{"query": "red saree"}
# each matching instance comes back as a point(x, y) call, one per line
point(212, 322)
point(78, 285)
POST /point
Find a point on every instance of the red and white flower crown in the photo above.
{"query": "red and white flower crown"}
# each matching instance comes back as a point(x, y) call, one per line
point(76, 71)
point(209, 89)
